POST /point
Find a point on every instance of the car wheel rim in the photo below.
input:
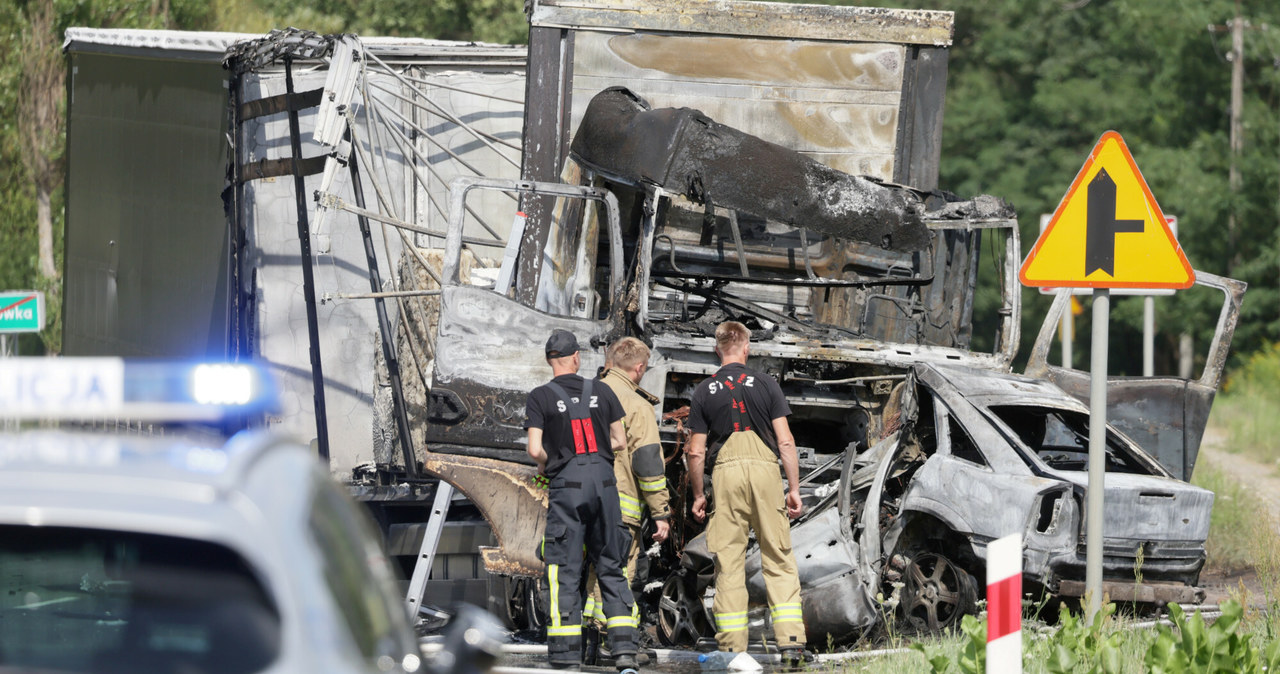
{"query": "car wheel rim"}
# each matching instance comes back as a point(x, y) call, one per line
point(937, 593)
point(676, 625)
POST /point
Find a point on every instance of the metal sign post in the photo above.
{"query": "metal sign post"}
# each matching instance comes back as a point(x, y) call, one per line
point(1148, 336)
point(1108, 232)
point(1097, 449)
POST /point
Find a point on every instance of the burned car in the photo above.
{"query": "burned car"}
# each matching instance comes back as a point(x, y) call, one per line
point(978, 455)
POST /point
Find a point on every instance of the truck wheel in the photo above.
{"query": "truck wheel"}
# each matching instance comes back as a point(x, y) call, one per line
point(516, 602)
point(936, 594)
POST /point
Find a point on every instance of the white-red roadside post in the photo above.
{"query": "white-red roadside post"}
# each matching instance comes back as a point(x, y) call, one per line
point(1004, 605)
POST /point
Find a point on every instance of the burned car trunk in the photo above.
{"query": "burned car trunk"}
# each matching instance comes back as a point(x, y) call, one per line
point(1011, 457)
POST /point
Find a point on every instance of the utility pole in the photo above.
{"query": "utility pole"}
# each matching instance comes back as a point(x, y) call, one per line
point(1237, 27)
point(1237, 131)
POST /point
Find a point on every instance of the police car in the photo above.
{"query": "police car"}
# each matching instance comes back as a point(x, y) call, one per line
point(181, 552)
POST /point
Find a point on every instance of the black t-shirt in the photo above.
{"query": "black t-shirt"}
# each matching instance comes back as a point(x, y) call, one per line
point(711, 409)
point(544, 409)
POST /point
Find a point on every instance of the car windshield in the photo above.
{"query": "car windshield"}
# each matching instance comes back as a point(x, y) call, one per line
point(1060, 439)
point(88, 600)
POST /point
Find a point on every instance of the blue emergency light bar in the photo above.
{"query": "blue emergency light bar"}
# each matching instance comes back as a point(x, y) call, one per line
point(143, 390)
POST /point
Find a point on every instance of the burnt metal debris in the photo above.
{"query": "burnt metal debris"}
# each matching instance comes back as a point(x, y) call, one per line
point(682, 151)
point(280, 43)
point(909, 435)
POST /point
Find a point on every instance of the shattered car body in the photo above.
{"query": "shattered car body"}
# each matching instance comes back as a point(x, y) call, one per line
point(979, 456)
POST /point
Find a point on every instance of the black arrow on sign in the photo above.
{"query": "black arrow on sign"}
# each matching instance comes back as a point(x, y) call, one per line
point(1101, 225)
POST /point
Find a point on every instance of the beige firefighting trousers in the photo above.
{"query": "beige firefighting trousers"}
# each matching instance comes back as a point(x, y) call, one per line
point(749, 494)
point(640, 472)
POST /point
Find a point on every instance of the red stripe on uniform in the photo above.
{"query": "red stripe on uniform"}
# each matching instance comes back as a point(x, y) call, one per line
point(578, 447)
point(1004, 607)
point(589, 431)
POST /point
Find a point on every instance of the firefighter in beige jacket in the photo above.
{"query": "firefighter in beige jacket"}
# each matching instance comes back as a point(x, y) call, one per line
point(639, 469)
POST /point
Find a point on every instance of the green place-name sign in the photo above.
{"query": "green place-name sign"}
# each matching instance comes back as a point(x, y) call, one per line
point(21, 311)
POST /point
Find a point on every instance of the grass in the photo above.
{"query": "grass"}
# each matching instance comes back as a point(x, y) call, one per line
point(1236, 533)
point(1241, 534)
point(1247, 407)
point(1043, 647)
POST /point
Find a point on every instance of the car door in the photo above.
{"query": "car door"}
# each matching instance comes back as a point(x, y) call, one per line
point(489, 345)
point(1165, 415)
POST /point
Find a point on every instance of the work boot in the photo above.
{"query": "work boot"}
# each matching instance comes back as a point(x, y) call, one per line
point(643, 657)
point(795, 657)
point(625, 661)
point(645, 653)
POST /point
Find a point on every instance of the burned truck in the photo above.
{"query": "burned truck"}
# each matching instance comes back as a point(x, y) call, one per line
point(920, 444)
point(665, 170)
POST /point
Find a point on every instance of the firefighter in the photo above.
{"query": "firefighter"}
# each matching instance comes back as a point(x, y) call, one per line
point(740, 433)
point(639, 467)
point(574, 427)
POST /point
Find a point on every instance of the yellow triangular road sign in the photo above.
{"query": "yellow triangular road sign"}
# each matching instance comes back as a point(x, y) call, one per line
point(1108, 231)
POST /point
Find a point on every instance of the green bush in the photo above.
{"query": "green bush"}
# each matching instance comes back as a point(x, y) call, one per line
point(1079, 645)
point(1106, 645)
point(973, 654)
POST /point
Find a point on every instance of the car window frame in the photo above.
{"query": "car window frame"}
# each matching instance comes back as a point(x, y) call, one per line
point(942, 421)
point(1113, 436)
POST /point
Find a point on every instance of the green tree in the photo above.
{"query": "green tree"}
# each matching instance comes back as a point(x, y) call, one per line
point(501, 21)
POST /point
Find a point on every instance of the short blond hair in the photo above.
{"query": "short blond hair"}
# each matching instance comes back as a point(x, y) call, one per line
point(626, 353)
point(731, 335)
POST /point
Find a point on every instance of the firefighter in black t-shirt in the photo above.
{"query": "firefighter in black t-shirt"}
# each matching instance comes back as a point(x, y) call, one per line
point(574, 427)
point(740, 433)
